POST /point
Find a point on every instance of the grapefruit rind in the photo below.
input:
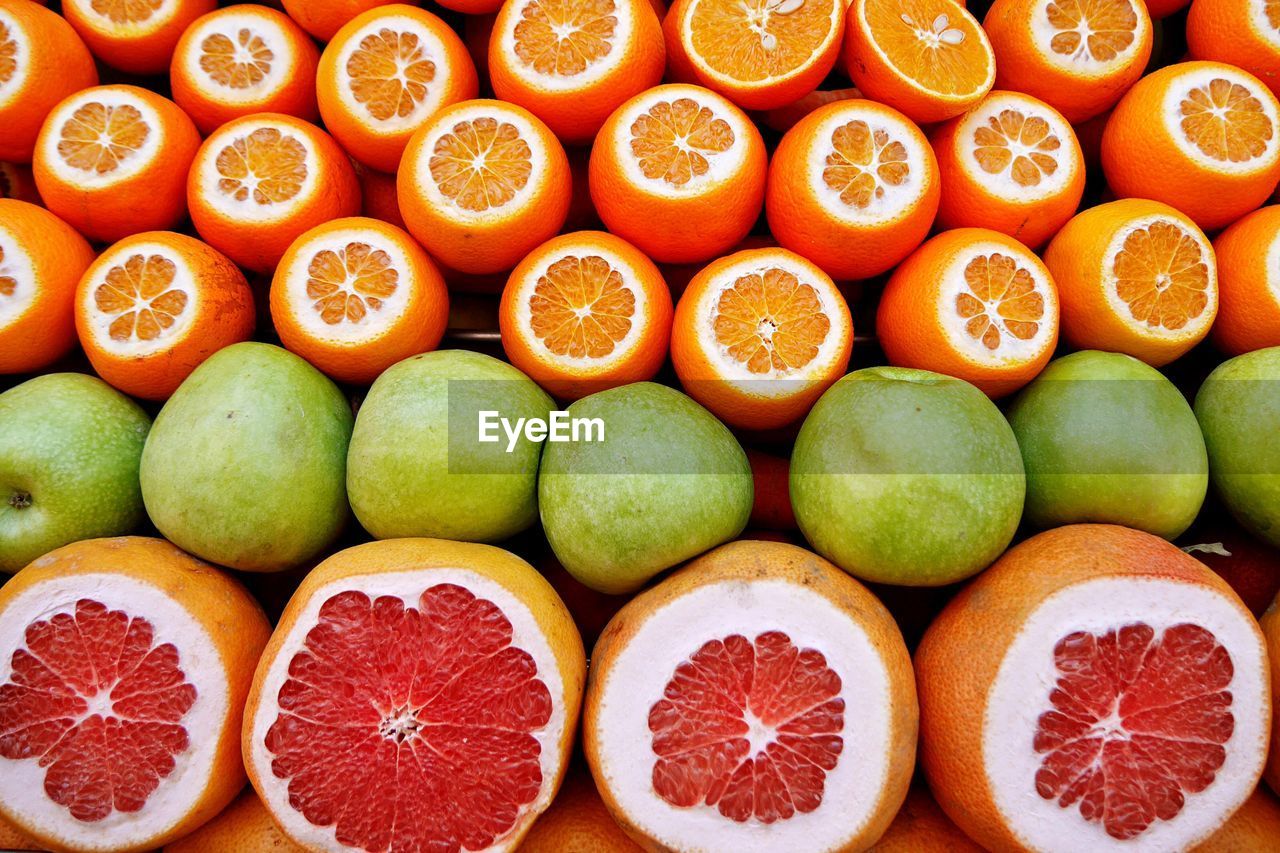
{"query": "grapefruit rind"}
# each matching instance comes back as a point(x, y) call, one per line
point(229, 24)
point(623, 14)
point(1001, 184)
point(12, 87)
point(99, 321)
point(1081, 62)
point(206, 176)
point(16, 266)
point(137, 161)
point(1200, 76)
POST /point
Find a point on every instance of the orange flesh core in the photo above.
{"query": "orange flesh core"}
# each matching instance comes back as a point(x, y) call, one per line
point(581, 307)
point(267, 166)
point(1092, 29)
point(675, 140)
point(140, 293)
point(126, 11)
point(220, 59)
point(862, 162)
point(481, 164)
point(755, 40)
point(1226, 122)
point(930, 42)
point(565, 37)
point(347, 283)
point(8, 284)
point(389, 73)
point(99, 138)
point(770, 321)
point(994, 141)
point(998, 285)
point(1161, 274)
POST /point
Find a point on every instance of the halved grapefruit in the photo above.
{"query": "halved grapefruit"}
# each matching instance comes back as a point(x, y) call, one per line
point(759, 699)
point(417, 694)
point(124, 665)
point(1095, 689)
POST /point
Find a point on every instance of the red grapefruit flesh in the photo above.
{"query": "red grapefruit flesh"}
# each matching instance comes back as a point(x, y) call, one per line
point(751, 728)
point(100, 705)
point(428, 711)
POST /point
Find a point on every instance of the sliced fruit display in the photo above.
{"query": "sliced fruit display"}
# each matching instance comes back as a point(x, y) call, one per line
point(154, 306)
point(853, 187)
point(384, 74)
point(584, 312)
point(128, 663)
point(354, 296)
point(483, 183)
point(757, 700)
point(260, 182)
point(929, 59)
point(1243, 33)
point(1011, 164)
point(1248, 255)
point(244, 826)
point(1203, 137)
point(242, 60)
point(1098, 689)
point(456, 740)
point(974, 304)
point(679, 172)
point(1078, 56)
point(1136, 277)
point(921, 827)
point(135, 37)
point(573, 63)
point(760, 54)
point(113, 161)
point(578, 822)
point(759, 335)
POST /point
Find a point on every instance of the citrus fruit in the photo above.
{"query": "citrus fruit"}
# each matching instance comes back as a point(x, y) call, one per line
point(12, 838)
point(853, 187)
point(1011, 164)
point(245, 825)
point(323, 18)
point(759, 335)
point(482, 183)
point(1270, 624)
point(577, 822)
point(42, 61)
point(1248, 255)
point(1078, 56)
point(458, 740)
point(41, 261)
point(1254, 826)
point(1243, 33)
point(242, 60)
point(384, 74)
point(1136, 277)
point(113, 161)
point(128, 666)
point(678, 172)
point(758, 699)
point(135, 36)
point(921, 827)
point(1094, 689)
point(1203, 137)
point(354, 296)
point(973, 304)
point(261, 181)
point(154, 306)
point(760, 54)
point(573, 62)
point(380, 198)
point(1249, 565)
point(929, 59)
point(17, 182)
point(787, 116)
point(584, 312)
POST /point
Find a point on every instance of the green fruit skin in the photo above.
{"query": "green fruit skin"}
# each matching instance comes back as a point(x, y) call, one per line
point(71, 444)
point(1238, 407)
point(907, 477)
point(1106, 438)
point(246, 464)
point(408, 475)
point(668, 482)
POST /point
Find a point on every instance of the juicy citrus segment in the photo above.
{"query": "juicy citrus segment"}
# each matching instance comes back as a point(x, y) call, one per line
point(389, 73)
point(565, 37)
point(99, 138)
point(241, 60)
point(1162, 275)
point(1091, 30)
point(862, 162)
point(771, 322)
point(268, 166)
point(395, 697)
point(676, 141)
point(8, 54)
point(1139, 720)
point(931, 43)
point(345, 284)
point(755, 40)
point(1000, 298)
point(481, 164)
point(749, 727)
point(140, 297)
point(126, 11)
point(90, 693)
point(1225, 121)
point(1017, 144)
point(581, 307)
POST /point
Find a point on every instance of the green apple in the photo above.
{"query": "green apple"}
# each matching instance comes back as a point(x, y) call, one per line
point(1106, 438)
point(418, 466)
point(69, 451)
point(1239, 411)
point(907, 477)
point(245, 465)
point(667, 482)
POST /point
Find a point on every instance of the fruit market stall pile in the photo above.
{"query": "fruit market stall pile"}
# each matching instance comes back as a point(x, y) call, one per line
point(743, 426)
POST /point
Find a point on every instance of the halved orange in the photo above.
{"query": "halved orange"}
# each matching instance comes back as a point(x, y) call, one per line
point(585, 312)
point(974, 304)
point(354, 296)
point(1243, 33)
point(928, 59)
point(154, 306)
point(384, 74)
point(1136, 277)
point(759, 335)
point(137, 36)
point(262, 180)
